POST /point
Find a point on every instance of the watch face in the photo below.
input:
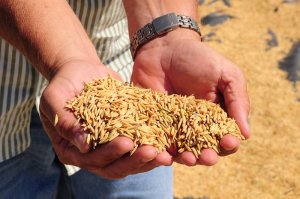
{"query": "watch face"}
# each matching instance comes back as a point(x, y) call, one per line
point(165, 23)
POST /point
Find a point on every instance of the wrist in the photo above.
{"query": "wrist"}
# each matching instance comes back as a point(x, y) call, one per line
point(139, 13)
point(164, 45)
point(163, 29)
point(79, 71)
point(70, 54)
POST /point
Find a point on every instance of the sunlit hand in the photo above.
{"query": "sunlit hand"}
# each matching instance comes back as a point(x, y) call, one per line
point(110, 160)
point(180, 63)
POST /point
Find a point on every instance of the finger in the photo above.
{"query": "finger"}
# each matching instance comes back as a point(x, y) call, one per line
point(55, 138)
point(178, 160)
point(229, 144)
point(65, 128)
point(61, 146)
point(130, 164)
point(100, 157)
point(228, 152)
point(234, 90)
point(103, 155)
point(208, 157)
point(162, 159)
point(176, 157)
point(187, 158)
point(67, 125)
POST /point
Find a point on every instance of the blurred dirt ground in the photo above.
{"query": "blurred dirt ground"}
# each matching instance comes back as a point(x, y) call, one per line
point(257, 35)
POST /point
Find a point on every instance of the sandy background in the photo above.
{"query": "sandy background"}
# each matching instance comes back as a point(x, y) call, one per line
point(268, 165)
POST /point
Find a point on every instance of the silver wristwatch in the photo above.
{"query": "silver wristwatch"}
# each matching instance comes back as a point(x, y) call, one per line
point(160, 26)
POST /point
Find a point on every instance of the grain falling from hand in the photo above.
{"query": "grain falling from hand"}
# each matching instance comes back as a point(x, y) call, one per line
point(55, 119)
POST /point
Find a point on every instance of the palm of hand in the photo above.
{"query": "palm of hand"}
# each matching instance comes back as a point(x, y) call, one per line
point(190, 67)
point(110, 160)
point(66, 84)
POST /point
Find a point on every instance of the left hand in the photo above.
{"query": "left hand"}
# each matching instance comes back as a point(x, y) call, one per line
point(180, 63)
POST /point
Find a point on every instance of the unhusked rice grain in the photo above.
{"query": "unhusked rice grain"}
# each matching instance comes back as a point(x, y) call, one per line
point(108, 108)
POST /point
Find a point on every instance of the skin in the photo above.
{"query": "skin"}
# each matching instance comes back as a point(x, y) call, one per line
point(49, 34)
point(188, 66)
point(180, 63)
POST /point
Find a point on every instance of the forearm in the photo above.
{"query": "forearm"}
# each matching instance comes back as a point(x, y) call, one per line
point(46, 31)
point(141, 12)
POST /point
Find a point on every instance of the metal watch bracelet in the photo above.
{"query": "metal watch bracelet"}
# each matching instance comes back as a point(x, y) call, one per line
point(160, 26)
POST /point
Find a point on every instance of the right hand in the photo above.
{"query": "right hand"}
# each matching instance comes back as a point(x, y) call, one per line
point(110, 160)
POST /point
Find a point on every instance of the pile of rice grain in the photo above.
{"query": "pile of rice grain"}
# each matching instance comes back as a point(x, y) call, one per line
point(108, 108)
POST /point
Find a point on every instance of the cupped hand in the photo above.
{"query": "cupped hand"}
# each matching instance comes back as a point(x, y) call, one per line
point(180, 63)
point(111, 160)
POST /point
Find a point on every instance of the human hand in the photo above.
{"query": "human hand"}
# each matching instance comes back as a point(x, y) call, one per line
point(110, 160)
point(180, 63)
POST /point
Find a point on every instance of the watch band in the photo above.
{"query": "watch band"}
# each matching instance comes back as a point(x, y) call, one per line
point(160, 26)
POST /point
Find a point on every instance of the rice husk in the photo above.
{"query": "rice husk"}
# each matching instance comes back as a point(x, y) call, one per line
point(107, 108)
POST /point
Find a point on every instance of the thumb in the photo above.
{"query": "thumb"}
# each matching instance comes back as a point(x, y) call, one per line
point(236, 100)
point(55, 116)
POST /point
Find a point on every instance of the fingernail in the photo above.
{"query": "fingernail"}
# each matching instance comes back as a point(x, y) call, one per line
point(150, 157)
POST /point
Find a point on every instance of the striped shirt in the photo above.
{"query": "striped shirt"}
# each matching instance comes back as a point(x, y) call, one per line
point(20, 84)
